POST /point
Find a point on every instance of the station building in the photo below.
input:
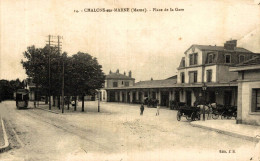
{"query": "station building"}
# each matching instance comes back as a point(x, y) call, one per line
point(203, 70)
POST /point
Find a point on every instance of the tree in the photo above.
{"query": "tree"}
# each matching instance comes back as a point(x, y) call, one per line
point(7, 88)
point(36, 64)
point(86, 75)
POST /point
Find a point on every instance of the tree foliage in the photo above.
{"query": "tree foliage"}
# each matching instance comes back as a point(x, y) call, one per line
point(7, 88)
point(82, 73)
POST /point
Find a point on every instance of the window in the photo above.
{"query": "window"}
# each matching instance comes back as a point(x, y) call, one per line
point(194, 59)
point(127, 84)
point(209, 75)
point(228, 58)
point(122, 82)
point(256, 100)
point(241, 58)
point(191, 59)
point(115, 84)
point(193, 77)
point(210, 58)
point(182, 77)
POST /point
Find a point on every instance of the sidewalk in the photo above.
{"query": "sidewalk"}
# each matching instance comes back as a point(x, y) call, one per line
point(229, 127)
point(4, 144)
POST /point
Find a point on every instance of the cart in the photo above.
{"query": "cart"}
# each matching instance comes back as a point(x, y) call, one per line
point(191, 113)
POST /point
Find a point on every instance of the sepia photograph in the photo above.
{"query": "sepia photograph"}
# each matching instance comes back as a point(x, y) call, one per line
point(116, 80)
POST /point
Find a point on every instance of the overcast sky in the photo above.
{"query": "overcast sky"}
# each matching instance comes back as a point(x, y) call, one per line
point(150, 44)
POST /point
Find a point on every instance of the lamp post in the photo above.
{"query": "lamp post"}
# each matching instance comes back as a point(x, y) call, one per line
point(98, 100)
point(204, 88)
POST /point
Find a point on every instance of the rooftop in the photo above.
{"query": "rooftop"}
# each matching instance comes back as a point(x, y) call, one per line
point(253, 61)
point(219, 48)
point(118, 76)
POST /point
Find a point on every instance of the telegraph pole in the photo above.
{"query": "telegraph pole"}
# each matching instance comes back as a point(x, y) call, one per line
point(59, 51)
point(62, 86)
point(49, 70)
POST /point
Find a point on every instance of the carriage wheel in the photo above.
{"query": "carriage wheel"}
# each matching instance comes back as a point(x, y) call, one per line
point(178, 115)
point(223, 116)
point(189, 118)
point(235, 115)
point(215, 116)
point(195, 116)
point(229, 117)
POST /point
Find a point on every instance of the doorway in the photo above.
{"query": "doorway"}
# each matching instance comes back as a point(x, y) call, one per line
point(188, 98)
point(212, 97)
point(227, 97)
point(164, 98)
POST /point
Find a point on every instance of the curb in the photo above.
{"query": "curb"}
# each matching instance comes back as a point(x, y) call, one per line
point(6, 146)
point(250, 138)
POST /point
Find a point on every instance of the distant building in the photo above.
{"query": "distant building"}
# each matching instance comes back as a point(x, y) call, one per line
point(248, 106)
point(31, 87)
point(114, 80)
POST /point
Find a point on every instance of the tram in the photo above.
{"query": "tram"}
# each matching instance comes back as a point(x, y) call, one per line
point(22, 98)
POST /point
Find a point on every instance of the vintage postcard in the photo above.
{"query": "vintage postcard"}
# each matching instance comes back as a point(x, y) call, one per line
point(116, 80)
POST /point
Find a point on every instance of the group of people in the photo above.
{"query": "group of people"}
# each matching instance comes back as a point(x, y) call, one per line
point(157, 111)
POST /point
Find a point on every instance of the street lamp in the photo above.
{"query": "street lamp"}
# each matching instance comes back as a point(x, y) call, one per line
point(204, 88)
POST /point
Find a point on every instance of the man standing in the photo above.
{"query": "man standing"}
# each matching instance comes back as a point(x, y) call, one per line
point(158, 108)
point(142, 109)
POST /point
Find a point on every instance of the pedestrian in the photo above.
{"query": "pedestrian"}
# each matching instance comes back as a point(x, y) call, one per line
point(142, 109)
point(158, 108)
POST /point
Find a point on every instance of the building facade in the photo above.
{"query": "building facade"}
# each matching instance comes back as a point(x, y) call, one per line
point(248, 108)
point(116, 80)
point(209, 65)
point(202, 65)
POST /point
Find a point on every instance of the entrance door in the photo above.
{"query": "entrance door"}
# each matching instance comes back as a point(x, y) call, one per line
point(177, 96)
point(227, 97)
point(112, 96)
point(164, 98)
point(128, 97)
point(188, 98)
point(212, 97)
point(134, 97)
point(123, 97)
point(140, 94)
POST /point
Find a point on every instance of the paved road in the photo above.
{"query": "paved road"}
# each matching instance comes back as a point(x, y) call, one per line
point(117, 133)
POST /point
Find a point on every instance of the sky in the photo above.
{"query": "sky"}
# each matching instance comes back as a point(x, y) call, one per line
point(150, 44)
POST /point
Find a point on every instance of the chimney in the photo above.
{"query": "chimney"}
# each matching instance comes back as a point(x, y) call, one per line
point(130, 74)
point(230, 45)
point(124, 73)
point(151, 78)
point(110, 72)
point(117, 71)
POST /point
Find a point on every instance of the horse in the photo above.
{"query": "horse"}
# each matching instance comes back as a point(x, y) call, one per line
point(209, 107)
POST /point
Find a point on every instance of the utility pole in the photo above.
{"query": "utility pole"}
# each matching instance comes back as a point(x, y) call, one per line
point(49, 70)
point(58, 45)
point(62, 86)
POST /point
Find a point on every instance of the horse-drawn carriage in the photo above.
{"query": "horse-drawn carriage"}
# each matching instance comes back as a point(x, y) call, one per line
point(225, 111)
point(175, 105)
point(191, 113)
